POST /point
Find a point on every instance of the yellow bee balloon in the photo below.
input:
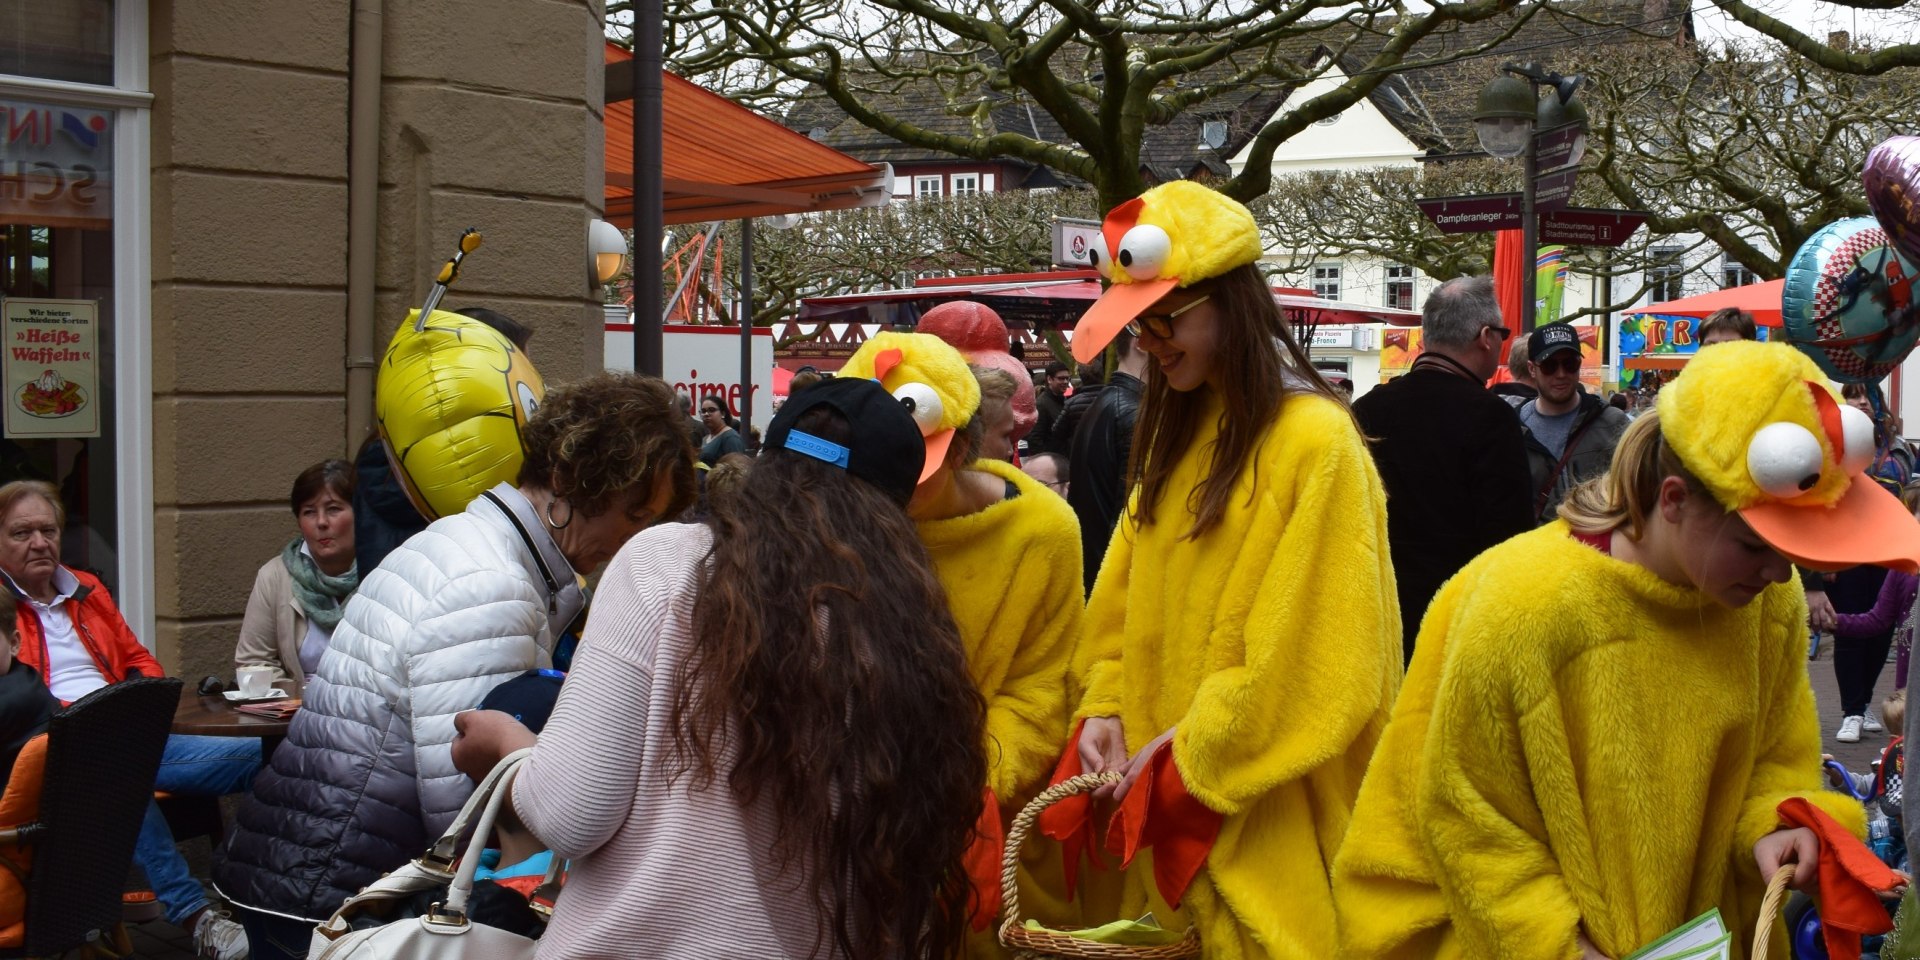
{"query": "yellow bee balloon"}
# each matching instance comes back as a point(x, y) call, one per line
point(451, 399)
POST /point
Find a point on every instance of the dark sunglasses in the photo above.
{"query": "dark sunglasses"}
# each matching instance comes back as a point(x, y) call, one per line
point(1502, 332)
point(1161, 324)
point(1559, 365)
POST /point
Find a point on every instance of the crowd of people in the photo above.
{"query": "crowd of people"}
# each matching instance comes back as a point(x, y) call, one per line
point(1418, 675)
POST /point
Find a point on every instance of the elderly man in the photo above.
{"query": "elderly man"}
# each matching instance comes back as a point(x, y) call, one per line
point(1450, 452)
point(1570, 432)
point(73, 635)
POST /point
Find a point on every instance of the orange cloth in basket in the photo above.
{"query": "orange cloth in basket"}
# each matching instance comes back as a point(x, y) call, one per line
point(1851, 878)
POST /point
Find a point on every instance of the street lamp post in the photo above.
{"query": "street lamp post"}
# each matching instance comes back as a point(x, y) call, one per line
point(1508, 119)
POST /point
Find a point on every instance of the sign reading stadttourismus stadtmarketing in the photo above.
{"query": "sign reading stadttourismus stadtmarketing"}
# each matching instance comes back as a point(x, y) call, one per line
point(51, 375)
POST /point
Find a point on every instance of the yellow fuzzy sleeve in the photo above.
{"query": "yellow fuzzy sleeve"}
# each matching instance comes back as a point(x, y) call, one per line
point(1096, 678)
point(1483, 827)
point(1027, 716)
point(1384, 892)
point(1788, 763)
point(1321, 656)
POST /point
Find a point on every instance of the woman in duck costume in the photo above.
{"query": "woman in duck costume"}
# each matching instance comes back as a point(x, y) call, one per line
point(1007, 550)
point(1603, 716)
point(1238, 658)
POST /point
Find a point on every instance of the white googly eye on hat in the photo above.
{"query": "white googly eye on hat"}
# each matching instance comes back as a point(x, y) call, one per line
point(1144, 251)
point(923, 403)
point(1100, 261)
point(1857, 429)
point(1784, 460)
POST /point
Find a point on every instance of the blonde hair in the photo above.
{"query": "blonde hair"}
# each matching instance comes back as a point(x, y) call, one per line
point(11, 494)
point(1893, 710)
point(1624, 497)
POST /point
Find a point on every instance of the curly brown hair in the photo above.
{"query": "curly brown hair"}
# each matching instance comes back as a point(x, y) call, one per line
point(597, 442)
point(829, 683)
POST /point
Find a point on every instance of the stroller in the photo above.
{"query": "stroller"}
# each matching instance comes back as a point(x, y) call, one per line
point(1880, 792)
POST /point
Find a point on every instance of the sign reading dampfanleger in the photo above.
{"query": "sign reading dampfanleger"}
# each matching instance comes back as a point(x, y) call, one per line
point(51, 375)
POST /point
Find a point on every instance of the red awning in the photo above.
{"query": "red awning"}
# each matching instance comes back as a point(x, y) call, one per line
point(1760, 299)
point(1657, 361)
point(724, 162)
point(1061, 296)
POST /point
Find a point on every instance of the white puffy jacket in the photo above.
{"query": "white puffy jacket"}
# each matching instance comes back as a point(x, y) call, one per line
point(365, 778)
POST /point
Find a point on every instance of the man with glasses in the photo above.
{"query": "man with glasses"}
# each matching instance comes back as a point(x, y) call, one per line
point(1049, 402)
point(1570, 433)
point(1449, 451)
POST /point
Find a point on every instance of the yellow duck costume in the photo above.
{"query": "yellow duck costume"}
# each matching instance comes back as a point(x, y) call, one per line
point(1267, 643)
point(1600, 749)
point(1011, 573)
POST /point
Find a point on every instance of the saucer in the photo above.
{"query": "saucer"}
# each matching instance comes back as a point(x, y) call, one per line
point(235, 696)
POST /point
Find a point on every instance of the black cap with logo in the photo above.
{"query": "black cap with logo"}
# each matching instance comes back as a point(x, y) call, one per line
point(1551, 339)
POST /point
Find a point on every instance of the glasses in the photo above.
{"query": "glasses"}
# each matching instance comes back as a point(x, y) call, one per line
point(1161, 325)
point(1502, 332)
point(1560, 365)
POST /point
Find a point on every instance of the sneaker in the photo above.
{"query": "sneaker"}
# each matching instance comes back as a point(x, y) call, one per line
point(1849, 733)
point(218, 937)
point(1872, 723)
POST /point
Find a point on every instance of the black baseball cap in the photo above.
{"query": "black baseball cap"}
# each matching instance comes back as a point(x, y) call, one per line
point(1551, 339)
point(886, 449)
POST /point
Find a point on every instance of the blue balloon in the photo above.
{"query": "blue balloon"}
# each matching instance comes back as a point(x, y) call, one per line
point(1849, 301)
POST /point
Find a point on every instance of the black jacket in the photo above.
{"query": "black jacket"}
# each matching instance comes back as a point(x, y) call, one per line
point(1043, 439)
point(1596, 431)
point(1071, 413)
point(1454, 463)
point(383, 517)
point(1098, 467)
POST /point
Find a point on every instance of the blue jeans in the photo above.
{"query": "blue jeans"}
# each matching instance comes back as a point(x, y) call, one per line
point(190, 767)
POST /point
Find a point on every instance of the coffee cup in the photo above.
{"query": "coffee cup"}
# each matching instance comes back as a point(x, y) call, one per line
point(255, 681)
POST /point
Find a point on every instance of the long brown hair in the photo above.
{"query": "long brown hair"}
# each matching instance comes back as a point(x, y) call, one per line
point(829, 683)
point(1255, 356)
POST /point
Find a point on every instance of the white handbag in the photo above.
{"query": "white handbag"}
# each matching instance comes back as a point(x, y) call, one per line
point(444, 931)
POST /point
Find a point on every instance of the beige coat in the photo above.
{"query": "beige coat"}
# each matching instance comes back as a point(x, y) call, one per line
point(274, 628)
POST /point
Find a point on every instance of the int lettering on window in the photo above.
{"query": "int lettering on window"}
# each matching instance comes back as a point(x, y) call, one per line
point(1399, 286)
point(1326, 281)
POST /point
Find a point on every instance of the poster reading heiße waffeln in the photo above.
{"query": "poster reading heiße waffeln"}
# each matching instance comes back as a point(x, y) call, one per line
point(51, 375)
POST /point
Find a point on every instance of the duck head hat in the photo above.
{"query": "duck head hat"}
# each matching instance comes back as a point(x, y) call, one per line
point(1173, 236)
point(1759, 425)
point(927, 376)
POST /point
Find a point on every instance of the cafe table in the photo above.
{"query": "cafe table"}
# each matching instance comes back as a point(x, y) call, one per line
point(215, 717)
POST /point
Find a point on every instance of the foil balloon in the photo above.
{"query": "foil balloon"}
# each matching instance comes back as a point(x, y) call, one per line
point(1849, 301)
point(980, 335)
point(1892, 179)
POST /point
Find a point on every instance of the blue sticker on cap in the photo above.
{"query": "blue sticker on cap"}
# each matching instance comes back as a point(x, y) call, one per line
point(817, 448)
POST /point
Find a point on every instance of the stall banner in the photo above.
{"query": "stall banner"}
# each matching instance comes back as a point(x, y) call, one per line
point(1400, 346)
point(702, 361)
point(1651, 334)
point(1549, 283)
point(51, 376)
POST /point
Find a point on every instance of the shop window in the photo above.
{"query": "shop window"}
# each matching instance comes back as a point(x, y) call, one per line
point(966, 184)
point(1399, 286)
point(1326, 281)
point(56, 311)
point(68, 40)
point(926, 188)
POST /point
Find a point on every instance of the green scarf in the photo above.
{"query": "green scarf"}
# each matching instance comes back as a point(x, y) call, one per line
point(321, 597)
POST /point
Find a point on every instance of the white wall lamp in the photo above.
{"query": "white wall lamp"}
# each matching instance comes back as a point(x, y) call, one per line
point(606, 251)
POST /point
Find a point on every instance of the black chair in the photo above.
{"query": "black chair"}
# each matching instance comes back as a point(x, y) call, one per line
point(103, 753)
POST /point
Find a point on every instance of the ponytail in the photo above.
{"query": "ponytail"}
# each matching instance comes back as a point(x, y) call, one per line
point(1624, 497)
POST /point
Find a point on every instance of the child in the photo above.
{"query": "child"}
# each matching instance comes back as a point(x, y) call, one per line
point(25, 702)
point(1552, 727)
point(508, 875)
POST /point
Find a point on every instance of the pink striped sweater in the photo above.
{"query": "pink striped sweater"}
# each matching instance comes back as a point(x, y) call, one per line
point(659, 870)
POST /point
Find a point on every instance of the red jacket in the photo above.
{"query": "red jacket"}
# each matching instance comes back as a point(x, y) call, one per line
point(102, 630)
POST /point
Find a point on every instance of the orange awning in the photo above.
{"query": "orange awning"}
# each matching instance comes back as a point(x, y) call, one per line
point(1760, 299)
point(724, 162)
point(1658, 361)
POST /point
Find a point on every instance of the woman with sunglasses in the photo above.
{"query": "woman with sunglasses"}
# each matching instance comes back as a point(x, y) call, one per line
point(1570, 433)
point(1240, 651)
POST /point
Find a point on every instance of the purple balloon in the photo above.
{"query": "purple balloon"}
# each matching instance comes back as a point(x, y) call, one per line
point(1892, 179)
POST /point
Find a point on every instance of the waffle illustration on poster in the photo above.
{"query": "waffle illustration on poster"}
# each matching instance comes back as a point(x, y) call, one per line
point(51, 375)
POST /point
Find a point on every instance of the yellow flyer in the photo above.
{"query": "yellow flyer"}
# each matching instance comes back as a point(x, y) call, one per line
point(51, 376)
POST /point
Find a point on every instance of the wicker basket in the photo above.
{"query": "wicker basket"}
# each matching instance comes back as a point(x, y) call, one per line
point(1038, 944)
point(1770, 908)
